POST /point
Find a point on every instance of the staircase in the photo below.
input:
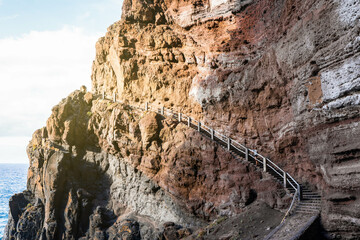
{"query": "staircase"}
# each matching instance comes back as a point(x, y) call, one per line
point(310, 203)
point(305, 201)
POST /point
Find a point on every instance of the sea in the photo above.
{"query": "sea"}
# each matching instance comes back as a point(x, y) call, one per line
point(12, 180)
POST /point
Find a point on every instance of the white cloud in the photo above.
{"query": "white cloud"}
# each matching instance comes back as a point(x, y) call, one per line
point(36, 72)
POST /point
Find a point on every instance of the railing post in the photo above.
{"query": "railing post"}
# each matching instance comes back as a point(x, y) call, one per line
point(299, 192)
point(114, 97)
point(264, 164)
point(229, 144)
point(146, 106)
point(199, 126)
point(246, 154)
point(179, 116)
point(103, 95)
point(189, 121)
point(162, 111)
point(285, 179)
point(212, 134)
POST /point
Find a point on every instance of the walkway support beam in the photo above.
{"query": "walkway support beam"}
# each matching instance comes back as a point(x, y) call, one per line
point(179, 116)
point(162, 110)
point(299, 192)
point(199, 126)
point(229, 144)
point(264, 163)
point(247, 154)
point(285, 179)
point(212, 134)
point(146, 106)
point(114, 97)
point(189, 121)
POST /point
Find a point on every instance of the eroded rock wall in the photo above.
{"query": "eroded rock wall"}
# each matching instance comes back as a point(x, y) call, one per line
point(102, 170)
point(280, 76)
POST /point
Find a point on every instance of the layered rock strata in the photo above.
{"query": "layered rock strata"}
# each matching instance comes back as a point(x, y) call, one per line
point(280, 76)
point(100, 167)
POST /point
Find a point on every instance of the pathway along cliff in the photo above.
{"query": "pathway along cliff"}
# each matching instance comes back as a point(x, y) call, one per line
point(282, 77)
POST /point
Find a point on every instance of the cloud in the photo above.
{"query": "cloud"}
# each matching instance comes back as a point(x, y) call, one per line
point(37, 70)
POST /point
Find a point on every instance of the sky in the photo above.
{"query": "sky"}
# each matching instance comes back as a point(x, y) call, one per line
point(46, 52)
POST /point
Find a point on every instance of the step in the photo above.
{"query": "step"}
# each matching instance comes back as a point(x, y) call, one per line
point(309, 207)
point(309, 191)
point(311, 200)
point(306, 212)
point(307, 196)
point(311, 194)
point(309, 204)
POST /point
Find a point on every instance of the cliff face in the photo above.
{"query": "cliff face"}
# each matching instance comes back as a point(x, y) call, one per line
point(100, 167)
point(280, 76)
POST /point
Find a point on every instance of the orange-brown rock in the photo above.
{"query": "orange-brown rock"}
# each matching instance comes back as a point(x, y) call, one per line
point(114, 164)
point(281, 77)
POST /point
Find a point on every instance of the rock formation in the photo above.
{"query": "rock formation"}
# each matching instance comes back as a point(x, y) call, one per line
point(281, 76)
point(99, 166)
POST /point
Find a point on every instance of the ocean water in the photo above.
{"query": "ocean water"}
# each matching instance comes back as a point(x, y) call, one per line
point(12, 180)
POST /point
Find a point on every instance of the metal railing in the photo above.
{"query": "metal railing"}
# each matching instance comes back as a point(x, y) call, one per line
point(231, 144)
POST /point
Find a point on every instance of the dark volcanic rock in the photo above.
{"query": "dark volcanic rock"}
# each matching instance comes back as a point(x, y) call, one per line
point(26, 217)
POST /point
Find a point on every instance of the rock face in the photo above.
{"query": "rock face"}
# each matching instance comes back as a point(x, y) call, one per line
point(101, 170)
point(283, 77)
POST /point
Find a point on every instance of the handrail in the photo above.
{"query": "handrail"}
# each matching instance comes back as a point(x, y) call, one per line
point(291, 206)
point(231, 144)
point(275, 165)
